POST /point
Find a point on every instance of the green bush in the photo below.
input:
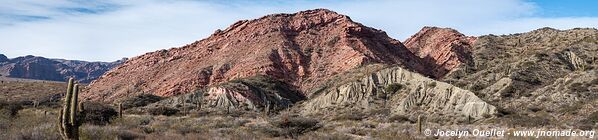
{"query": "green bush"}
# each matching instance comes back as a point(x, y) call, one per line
point(393, 88)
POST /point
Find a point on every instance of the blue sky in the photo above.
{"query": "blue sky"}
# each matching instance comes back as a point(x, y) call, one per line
point(108, 30)
point(567, 8)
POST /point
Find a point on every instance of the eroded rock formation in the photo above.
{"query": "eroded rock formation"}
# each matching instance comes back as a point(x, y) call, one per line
point(254, 93)
point(417, 92)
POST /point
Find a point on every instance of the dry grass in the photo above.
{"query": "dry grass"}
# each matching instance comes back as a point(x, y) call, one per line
point(20, 89)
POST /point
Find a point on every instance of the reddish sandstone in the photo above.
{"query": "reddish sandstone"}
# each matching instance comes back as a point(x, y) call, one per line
point(303, 49)
point(442, 49)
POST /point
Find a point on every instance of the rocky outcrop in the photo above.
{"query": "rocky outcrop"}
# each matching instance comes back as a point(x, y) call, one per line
point(250, 94)
point(442, 49)
point(303, 49)
point(574, 62)
point(499, 89)
point(417, 92)
point(547, 73)
point(40, 68)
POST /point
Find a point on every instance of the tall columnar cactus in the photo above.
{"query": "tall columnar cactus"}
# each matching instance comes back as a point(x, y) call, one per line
point(419, 124)
point(68, 119)
point(267, 109)
point(120, 110)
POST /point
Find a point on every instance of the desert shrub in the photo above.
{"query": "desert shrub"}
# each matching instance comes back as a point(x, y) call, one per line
point(167, 111)
point(333, 41)
point(392, 88)
point(398, 118)
point(379, 111)
point(391, 133)
point(140, 100)
point(432, 84)
point(97, 113)
point(295, 126)
point(529, 121)
point(585, 125)
point(106, 132)
point(267, 130)
point(594, 82)
point(534, 108)
point(353, 116)
point(10, 109)
point(578, 87)
point(503, 112)
point(133, 121)
point(126, 135)
point(325, 136)
point(528, 76)
point(477, 87)
point(593, 117)
point(572, 108)
point(40, 132)
point(53, 101)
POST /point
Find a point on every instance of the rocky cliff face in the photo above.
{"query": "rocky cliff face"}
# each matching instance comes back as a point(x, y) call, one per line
point(414, 92)
point(442, 49)
point(32, 67)
point(302, 49)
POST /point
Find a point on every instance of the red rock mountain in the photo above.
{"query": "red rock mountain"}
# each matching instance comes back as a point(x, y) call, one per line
point(303, 49)
point(442, 49)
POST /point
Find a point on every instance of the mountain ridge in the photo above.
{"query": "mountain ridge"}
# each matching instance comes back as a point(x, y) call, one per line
point(41, 68)
point(303, 49)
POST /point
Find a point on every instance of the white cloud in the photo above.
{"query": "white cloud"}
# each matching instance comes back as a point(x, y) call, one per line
point(135, 27)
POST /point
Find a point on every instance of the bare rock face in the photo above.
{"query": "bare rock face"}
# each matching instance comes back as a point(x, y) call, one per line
point(415, 93)
point(442, 49)
point(575, 63)
point(302, 49)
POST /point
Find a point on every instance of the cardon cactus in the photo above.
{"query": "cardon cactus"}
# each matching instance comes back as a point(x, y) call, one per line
point(419, 124)
point(120, 110)
point(68, 119)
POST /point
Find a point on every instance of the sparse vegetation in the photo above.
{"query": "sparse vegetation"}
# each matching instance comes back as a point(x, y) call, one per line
point(394, 87)
point(10, 109)
point(70, 118)
point(98, 113)
point(293, 127)
point(399, 118)
point(140, 100)
point(579, 87)
point(432, 84)
point(538, 89)
point(167, 111)
point(593, 117)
